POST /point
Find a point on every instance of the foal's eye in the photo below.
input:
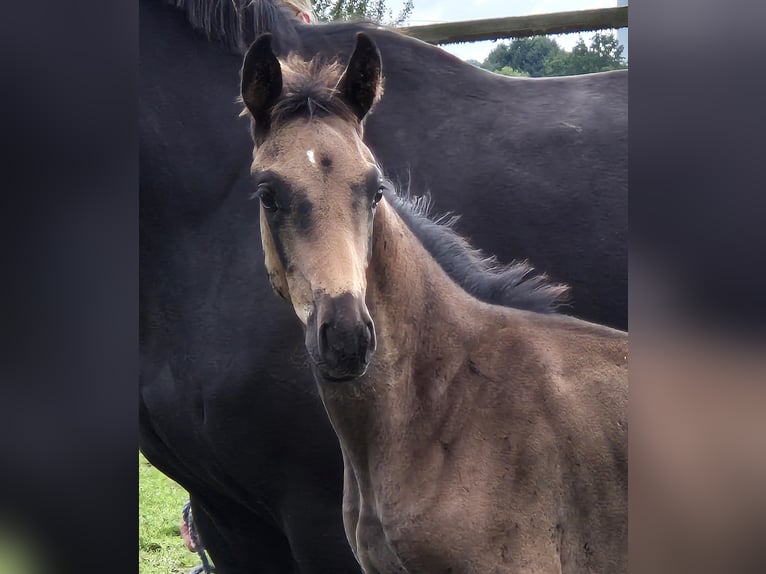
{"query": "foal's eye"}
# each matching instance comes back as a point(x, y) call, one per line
point(268, 201)
point(378, 196)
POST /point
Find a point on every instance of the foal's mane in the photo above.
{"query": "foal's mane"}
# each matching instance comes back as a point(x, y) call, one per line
point(515, 285)
point(308, 90)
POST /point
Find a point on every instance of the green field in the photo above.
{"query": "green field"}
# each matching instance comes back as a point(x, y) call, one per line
point(161, 549)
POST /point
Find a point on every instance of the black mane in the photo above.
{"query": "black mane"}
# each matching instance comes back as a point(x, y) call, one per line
point(515, 285)
point(220, 21)
point(236, 23)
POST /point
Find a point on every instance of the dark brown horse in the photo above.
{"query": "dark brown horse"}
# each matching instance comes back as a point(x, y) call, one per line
point(228, 408)
point(475, 437)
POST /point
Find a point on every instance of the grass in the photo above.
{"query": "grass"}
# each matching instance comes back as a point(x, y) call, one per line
point(161, 549)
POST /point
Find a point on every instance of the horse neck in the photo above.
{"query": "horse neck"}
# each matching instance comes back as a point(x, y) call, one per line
point(409, 295)
point(424, 325)
point(420, 315)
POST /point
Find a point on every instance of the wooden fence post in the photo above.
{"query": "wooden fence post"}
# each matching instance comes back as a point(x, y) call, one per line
point(520, 26)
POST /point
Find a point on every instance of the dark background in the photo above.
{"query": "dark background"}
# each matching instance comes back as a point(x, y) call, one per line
point(69, 275)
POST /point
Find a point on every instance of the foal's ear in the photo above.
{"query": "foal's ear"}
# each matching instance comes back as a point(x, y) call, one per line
point(361, 83)
point(261, 80)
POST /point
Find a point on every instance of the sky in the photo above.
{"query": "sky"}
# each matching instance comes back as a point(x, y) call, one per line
point(433, 11)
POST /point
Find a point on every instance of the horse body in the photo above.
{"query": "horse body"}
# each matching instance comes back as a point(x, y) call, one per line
point(227, 405)
point(482, 438)
point(226, 402)
point(476, 438)
point(544, 158)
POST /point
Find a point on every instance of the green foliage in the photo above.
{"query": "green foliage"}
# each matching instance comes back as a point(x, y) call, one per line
point(160, 547)
point(508, 71)
point(497, 58)
point(523, 54)
point(603, 54)
point(542, 56)
point(374, 10)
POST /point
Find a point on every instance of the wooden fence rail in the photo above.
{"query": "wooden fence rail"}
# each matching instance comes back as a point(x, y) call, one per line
point(520, 26)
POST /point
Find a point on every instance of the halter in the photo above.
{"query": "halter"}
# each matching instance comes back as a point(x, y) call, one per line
point(193, 541)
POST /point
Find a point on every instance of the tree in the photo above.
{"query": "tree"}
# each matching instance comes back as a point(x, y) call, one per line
point(508, 71)
point(496, 66)
point(604, 53)
point(524, 55)
point(497, 58)
point(374, 10)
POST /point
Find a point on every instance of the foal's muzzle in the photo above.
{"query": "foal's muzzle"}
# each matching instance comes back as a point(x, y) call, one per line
point(340, 337)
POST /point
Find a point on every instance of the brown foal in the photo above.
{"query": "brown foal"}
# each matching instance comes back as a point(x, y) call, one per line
point(476, 438)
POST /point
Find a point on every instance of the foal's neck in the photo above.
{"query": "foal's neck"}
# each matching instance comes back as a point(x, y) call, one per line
point(416, 307)
point(426, 326)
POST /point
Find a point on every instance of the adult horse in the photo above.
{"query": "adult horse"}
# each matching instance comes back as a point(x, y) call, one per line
point(476, 438)
point(537, 168)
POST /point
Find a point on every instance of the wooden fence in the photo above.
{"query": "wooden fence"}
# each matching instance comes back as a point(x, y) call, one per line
point(520, 26)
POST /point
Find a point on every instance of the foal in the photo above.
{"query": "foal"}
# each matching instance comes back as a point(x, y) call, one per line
point(476, 438)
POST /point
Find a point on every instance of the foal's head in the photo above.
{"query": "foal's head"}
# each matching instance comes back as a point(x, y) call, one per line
point(318, 185)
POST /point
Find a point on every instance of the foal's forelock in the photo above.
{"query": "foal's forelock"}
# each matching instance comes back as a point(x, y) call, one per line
point(309, 86)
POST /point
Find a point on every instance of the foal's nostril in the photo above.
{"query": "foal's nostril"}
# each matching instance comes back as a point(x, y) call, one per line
point(323, 346)
point(370, 336)
point(342, 339)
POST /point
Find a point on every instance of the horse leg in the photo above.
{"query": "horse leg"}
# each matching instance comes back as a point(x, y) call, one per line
point(318, 540)
point(240, 542)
